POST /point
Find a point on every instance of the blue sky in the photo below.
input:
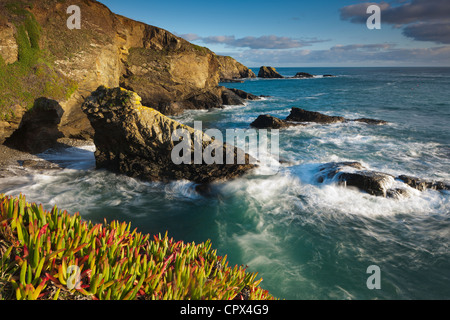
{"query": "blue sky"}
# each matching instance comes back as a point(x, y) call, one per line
point(305, 33)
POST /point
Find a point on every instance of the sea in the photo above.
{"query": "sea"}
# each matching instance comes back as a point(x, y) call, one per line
point(306, 240)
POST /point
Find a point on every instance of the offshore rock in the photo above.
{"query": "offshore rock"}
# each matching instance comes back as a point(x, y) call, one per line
point(135, 140)
point(303, 75)
point(354, 174)
point(269, 72)
point(301, 115)
point(266, 121)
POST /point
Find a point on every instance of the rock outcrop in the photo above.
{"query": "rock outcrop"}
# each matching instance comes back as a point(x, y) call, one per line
point(168, 72)
point(230, 69)
point(269, 72)
point(303, 75)
point(38, 130)
point(134, 140)
point(354, 174)
point(300, 116)
point(266, 121)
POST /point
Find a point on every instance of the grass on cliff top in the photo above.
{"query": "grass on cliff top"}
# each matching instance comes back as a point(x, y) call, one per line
point(53, 255)
point(32, 75)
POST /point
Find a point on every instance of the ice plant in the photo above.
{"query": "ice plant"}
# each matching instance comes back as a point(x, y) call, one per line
point(39, 249)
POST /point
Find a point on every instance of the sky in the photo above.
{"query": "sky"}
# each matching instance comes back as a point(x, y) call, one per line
point(320, 33)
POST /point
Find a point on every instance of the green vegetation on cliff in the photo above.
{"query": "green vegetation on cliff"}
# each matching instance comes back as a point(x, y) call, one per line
point(32, 76)
point(53, 255)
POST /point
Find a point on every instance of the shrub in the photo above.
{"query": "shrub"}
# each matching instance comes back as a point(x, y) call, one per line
point(39, 249)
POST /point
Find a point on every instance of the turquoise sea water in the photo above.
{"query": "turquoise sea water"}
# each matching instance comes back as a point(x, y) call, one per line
point(306, 240)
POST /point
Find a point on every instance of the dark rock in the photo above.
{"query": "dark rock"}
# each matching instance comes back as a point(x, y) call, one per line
point(303, 75)
point(301, 115)
point(137, 141)
point(374, 183)
point(245, 95)
point(269, 72)
point(269, 122)
point(371, 121)
point(38, 130)
point(229, 98)
point(328, 76)
point(398, 193)
point(354, 174)
point(422, 185)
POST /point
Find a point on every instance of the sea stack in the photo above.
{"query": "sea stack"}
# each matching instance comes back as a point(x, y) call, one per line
point(269, 72)
point(135, 140)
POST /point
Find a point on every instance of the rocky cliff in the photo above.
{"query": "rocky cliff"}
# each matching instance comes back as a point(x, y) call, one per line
point(44, 58)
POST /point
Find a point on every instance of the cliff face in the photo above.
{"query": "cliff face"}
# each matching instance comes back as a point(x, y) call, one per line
point(168, 72)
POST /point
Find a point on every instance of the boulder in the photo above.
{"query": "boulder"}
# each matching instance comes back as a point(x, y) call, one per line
point(135, 140)
point(269, 72)
point(38, 130)
point(301, 115)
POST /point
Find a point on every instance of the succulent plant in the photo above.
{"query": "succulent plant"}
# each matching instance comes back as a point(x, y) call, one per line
point(54, 255)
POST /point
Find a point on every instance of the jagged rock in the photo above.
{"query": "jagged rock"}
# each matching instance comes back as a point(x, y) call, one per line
point(269, 122)
point(303, 75)
point(354, 174)
point(229, 97)
point(301, 115)
point(137, 141)
point(421, 184)
point(245, 95)
point(38, 130)
point(231, 69)
point(269, 72)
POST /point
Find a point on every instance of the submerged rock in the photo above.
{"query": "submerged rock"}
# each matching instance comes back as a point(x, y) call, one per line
point(269, 72)
point(137, 141)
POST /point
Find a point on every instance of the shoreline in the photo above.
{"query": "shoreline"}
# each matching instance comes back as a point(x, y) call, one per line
point(13, 158)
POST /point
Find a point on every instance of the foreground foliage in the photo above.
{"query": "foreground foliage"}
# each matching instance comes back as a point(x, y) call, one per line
point(53, 255)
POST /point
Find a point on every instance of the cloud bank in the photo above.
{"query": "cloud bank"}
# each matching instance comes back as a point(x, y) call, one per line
point(263, 42)
point(422, 20)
